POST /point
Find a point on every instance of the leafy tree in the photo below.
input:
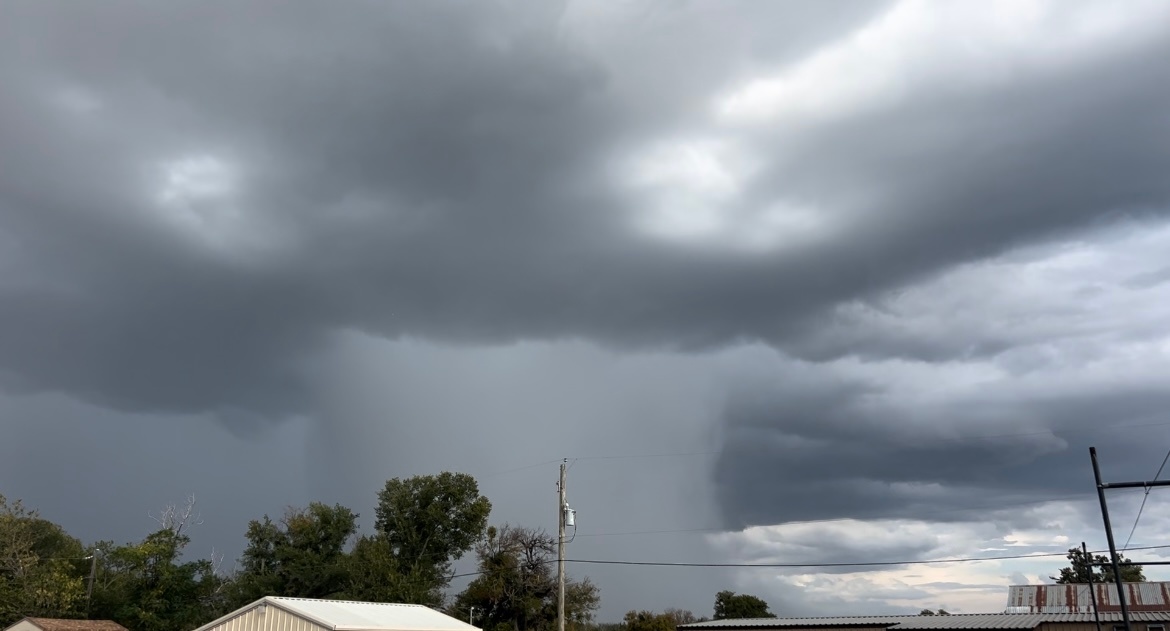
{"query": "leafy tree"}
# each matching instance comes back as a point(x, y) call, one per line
point(375, 575)
point(304, 555)
point(929, 612)
point(40, 573)
point(145, 586)
point(650, 621)
point(729, 605)
point(1084, 566)
point(647, 621)
point(426, 522)
point(517, 589)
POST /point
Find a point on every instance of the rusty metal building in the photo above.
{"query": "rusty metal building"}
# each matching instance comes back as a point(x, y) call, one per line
point(1073, 598)
point(1142, 621)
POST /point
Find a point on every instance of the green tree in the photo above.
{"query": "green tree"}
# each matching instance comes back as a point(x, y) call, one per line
point(40, 566)
point(303, 555)
point(647, 621)
point(375, 575)
point(427, 522)
point(650, 621)
point(1083, 567)
point(518, 589)
point(729, 605)
point(145, 586)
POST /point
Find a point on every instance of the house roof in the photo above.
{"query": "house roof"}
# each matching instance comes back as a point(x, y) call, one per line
point(348, 615)
point(1004, 621)
point(61, 624)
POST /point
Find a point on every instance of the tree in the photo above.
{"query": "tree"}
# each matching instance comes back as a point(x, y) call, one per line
point(729, 605)
point(375, 575)
point(304, 555)
point(928, 612)
point(1083, 567)
point(517, 588)
point(647, 621)
point(40, 566)
point(426, 522)
point(650, 621)
point(145, 587)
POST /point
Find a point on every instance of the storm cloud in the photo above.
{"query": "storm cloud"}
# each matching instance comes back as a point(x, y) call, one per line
point(874, 262)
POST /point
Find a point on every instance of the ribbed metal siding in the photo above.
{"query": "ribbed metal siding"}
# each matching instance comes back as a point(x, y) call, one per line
point(273, 619)
point(1106, 625)
point(1077, 598)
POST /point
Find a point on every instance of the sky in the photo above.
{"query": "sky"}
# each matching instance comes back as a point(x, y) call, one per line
point(786, 282)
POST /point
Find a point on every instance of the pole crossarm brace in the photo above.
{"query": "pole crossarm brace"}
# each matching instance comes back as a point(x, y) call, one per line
point(1134, 485)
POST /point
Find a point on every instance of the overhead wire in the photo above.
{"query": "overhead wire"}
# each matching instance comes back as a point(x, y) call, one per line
point(1145, 496)
point(839, 564)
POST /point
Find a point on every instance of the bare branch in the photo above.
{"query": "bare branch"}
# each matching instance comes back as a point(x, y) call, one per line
point(176, 519)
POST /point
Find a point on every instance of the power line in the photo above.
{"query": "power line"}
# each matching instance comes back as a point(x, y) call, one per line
point(1039, 555)
point(837, 564)
point(840, 519)
point(1141, 508)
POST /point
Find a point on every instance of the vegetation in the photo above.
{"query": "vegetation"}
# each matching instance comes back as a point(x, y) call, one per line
point(731, 605)
point(517, 589)
point(665, 621)
point(423, 525)
point(929, 612)
point(1083, 567)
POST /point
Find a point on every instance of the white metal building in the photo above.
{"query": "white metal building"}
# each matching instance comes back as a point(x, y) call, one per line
point(274, 613)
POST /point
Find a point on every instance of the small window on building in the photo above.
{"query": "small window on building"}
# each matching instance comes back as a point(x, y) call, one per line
point(1155, 627)
point(1119, 627)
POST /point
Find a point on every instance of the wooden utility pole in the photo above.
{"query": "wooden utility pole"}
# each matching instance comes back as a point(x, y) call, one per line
point(562, 508)
point(1092, 586)
point(92, 575)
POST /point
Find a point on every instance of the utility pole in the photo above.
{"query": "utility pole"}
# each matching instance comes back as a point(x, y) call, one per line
point(1092, 586)
point(562, 508)
point(471, 616)
point(1114, 562)
point(92, 574)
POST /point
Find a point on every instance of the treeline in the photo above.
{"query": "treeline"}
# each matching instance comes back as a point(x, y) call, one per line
point(423, 525)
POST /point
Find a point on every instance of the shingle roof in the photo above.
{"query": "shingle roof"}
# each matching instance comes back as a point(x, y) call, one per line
point(60, 624)
point(1004, 621)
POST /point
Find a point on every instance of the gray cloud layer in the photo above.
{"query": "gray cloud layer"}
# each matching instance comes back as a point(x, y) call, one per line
point(202, 204)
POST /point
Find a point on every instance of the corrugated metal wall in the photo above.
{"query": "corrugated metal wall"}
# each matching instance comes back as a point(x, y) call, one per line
point(1091, 626)
point(273, 619)
point(1076, 598)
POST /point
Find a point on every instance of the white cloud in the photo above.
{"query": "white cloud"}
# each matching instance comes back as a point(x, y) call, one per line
point(943, 46)
point(691, 193)
point(960, 587)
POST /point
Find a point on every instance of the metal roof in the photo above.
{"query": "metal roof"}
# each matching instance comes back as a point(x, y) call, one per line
point(973, 621)
point(774, 623)
point(348, 615)
point(1005, 621)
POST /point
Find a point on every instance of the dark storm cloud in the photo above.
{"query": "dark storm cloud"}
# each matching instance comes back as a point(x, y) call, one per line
point(441, 171)
point(196, 197)
point(866, 455)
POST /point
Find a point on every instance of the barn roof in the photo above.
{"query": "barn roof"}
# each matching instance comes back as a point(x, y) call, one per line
point(349, 615)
